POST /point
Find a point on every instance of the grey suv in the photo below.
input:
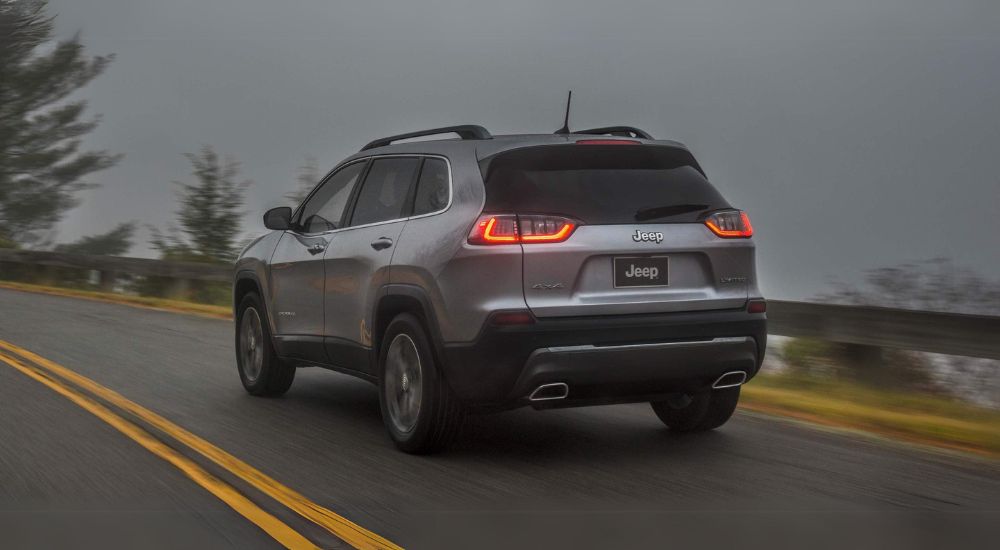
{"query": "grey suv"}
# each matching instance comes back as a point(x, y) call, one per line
point(490, 272)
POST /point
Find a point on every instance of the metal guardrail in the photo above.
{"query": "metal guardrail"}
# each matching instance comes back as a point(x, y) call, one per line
point(948, 333)
point(190, 271)
point(934, 332)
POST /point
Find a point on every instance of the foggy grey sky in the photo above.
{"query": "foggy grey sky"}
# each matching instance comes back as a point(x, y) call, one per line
point(857, 134)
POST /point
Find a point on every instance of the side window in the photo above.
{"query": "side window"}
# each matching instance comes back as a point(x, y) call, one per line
point(325, 208)
point(432, 188)
point(383, 195)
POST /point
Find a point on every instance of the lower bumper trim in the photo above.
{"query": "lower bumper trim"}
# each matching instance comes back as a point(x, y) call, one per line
point(636, 369)
point(612, 357)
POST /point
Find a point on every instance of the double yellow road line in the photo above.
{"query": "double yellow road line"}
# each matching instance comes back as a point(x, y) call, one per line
point(69, 384)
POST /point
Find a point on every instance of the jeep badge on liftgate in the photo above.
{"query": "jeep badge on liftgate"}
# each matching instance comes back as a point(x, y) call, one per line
point(643, 236)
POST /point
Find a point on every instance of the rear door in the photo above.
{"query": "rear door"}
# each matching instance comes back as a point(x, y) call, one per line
point(641, 245)
point(357, 261)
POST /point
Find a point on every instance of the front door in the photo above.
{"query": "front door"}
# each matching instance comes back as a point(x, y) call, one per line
point(297, 284)
point(297, 267)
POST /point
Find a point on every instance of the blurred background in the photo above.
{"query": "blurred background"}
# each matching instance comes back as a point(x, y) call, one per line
point(861, 137)
point(141, 141)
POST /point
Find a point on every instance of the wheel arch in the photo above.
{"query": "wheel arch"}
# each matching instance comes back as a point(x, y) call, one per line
point(245, 282)
point(401, 298)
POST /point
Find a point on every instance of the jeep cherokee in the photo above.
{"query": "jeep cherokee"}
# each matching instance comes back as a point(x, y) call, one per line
point(490, 272)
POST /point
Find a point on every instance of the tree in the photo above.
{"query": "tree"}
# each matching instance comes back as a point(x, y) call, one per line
point(42, 166)
point(210, 214)
point(307, 178)
point(116, 242)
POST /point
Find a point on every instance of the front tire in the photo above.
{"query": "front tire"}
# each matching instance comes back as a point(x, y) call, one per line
point(262, 372)
point(419, 410)
point(703, 412)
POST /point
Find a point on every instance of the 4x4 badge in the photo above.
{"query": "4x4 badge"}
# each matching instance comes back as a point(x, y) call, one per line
point(547, 286)
point(643, 236)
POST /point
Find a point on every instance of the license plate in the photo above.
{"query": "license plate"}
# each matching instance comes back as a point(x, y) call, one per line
point(641, 271)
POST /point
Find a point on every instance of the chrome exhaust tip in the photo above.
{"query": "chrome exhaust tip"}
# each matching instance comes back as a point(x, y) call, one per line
point(730, 380)
point(549, 392)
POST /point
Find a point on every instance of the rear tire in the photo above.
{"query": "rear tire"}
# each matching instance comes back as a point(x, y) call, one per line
point(262, 372)
point(705, 411)
point(419, 410)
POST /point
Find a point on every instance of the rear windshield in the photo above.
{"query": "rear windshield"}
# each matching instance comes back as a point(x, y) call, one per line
point(601, 184)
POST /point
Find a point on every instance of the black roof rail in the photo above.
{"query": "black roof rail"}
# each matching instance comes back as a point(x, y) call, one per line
point(464, 131)
point(624, 131)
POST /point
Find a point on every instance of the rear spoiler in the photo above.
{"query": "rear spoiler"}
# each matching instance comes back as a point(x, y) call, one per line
point(622, 131)
point(484, 162)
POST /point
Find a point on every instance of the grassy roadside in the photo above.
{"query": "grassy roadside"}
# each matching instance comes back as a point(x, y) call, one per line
point(916, 418)
point(163, 304)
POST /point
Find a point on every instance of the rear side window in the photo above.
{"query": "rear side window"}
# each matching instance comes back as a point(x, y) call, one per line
point(609, 184)
point(386, 188)
point(432, 187)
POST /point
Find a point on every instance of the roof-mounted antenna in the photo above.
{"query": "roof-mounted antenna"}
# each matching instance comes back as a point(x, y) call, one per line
point(565, 126)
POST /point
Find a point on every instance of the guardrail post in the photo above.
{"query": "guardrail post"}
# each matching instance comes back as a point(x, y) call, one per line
point(179, 289)
point(46, 275)
point(107, 279)
point(866, 363)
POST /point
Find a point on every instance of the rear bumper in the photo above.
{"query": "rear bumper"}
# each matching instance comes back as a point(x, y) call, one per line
point(605, 359)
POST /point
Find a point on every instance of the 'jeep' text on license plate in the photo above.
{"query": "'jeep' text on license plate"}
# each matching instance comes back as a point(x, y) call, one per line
point(641, 271)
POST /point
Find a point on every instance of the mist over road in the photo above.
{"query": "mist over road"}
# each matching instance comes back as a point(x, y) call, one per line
point(505, 476)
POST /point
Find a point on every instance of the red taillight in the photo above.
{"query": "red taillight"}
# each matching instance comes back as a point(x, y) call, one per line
point(536, 228)
point(495, 230)
point(730, 224)
point(607, 142)
point(757, 306)
point(523, 228)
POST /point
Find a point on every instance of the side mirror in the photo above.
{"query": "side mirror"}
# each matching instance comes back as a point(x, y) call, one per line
point(278, 218)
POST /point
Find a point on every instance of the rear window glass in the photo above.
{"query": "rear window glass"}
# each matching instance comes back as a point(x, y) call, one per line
point(614, 184)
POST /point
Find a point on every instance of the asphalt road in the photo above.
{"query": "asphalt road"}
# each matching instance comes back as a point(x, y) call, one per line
point(593, 477)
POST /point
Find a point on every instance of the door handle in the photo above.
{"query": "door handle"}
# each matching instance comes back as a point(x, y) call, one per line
point(381, 243)
point(317, 248)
